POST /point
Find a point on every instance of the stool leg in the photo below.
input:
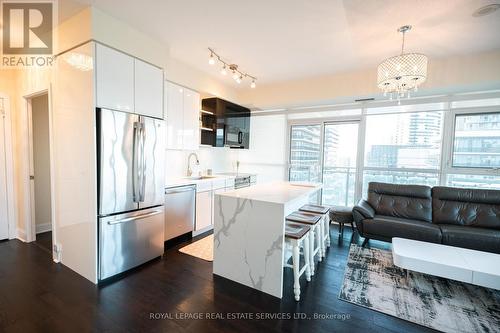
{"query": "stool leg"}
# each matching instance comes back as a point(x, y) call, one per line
point(307, 257)
point(327, 230)
point(296, 269)
point(323, 236)
point(311, 250)
point(319, 239)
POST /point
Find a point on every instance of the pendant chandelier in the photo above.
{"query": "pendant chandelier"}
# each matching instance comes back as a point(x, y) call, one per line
point(398, 76)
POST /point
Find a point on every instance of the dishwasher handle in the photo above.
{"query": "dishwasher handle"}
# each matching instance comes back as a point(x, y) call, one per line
point(180, 189)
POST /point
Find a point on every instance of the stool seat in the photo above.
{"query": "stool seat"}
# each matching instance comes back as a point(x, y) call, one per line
point(302, 217)
point(295, 230)
point(316, 209)
point(341, 214)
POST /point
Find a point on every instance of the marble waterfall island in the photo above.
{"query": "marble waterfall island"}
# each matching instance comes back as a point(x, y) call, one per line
point(249, 232)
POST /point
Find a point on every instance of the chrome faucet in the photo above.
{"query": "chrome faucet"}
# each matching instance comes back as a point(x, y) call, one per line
point(189, 170)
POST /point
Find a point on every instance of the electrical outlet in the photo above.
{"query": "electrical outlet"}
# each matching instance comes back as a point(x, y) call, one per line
point(57, 248)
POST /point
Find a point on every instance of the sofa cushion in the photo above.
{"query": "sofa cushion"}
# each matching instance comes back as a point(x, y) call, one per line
point(404, 201)
point(389, 227)
point(471, 238)
point(466, 207)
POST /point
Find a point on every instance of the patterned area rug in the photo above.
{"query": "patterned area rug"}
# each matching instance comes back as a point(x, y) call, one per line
point(203, 249)
point(371, 280)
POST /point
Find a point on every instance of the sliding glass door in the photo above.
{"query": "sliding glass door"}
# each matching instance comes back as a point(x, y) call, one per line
point(340, 147)
point(326, 152)
point(305, 153)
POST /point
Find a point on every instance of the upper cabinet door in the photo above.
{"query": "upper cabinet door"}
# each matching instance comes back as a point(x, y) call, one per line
point(115, 79)
point(148, 90)
point(174, 116)
point(191, 120)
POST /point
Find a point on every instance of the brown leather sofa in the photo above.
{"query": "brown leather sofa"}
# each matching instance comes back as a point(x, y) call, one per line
point(468, 218)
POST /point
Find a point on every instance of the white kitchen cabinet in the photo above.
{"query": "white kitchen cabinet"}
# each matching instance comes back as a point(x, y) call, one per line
point(203, 210)
point(115, 79)
point(148, 85)
point(182, 117)
point(191, 116)
point(175, 116)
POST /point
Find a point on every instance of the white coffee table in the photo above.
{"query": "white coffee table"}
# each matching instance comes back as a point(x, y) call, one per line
point(471, 266)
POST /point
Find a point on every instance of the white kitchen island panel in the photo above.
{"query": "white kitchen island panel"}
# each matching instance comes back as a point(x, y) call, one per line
point(249, 233)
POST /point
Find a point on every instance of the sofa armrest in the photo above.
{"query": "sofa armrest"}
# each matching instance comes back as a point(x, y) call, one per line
point(363, 210)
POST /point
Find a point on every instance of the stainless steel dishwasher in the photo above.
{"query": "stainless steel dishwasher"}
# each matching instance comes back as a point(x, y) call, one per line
point(179, 210)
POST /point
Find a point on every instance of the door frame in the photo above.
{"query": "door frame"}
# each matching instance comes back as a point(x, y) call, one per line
point(9, 167)
point(28, 171)
point(359, 149)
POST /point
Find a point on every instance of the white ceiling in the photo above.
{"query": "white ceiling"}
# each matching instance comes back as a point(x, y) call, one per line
point(278, 40)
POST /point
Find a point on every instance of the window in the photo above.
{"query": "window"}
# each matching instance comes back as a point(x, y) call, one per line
point(402, 144)
point(477, 141)
point(474, 181)
point(395, 142)
point(399, 177)
point(410, 140)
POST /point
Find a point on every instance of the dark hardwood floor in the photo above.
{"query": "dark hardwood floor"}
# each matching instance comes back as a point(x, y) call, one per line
point(44, 241)
point(37, 295)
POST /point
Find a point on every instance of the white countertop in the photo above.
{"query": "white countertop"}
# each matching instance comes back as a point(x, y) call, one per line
point(190, 181)
point(275, 192)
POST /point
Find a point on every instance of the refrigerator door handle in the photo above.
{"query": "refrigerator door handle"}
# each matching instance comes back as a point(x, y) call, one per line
point(143, 163)
point(135, 162)
point(135, 218)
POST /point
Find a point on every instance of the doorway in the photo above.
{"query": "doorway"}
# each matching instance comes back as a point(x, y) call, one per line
point(40, 175)
point(326, 152)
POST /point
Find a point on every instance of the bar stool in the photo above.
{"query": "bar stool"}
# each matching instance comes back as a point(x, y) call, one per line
point(325, 219)
point(313, 221)
point(296, 235)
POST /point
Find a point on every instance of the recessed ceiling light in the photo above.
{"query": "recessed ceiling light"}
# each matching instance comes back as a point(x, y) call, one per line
point(486, 10)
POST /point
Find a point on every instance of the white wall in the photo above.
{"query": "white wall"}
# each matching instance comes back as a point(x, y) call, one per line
point(41, 162)
point(74, 150)
point(267, 153)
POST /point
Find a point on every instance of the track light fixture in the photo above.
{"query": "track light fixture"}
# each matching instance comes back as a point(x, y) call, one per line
point(236, 74)
point(211, 60)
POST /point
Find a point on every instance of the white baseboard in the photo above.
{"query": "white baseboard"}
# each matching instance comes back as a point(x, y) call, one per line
point(21, 235)
point(199, 232)
point(43, 227)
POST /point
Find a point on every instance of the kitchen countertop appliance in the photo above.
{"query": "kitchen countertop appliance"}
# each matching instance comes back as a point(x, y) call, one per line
point(241, 179)
point(179, 210)
point(131, 171)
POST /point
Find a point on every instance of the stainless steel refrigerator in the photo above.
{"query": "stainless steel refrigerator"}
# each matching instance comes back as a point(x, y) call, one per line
point(131, 187)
